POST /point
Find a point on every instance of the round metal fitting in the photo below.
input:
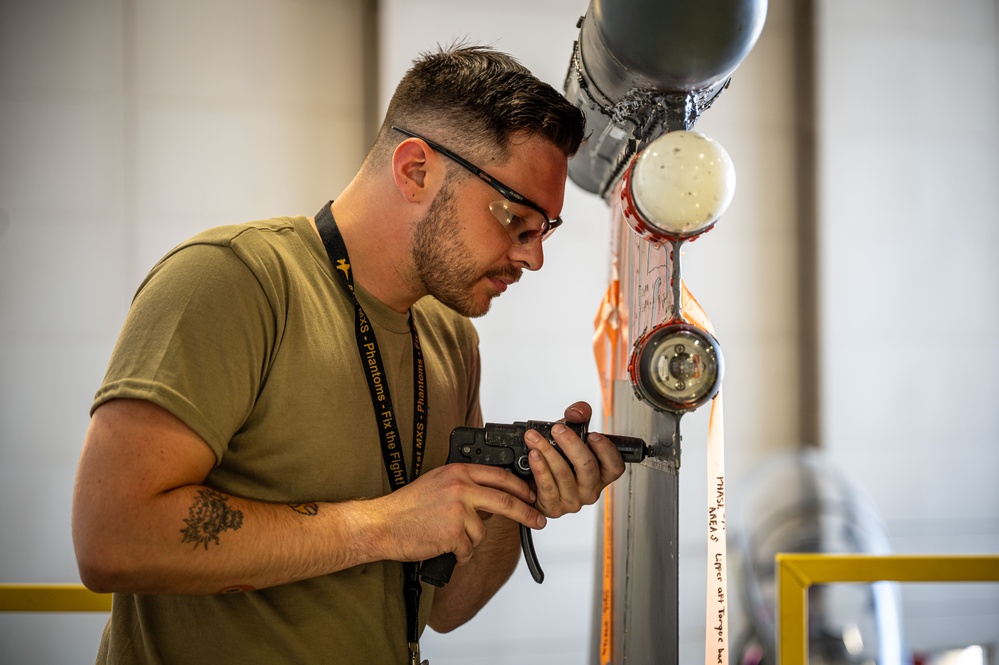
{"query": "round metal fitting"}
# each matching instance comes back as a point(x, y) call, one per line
point(676, 367)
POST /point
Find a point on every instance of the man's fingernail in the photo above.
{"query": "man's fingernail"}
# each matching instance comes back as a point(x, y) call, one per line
point(533, 436)
point(558, 428)
point(542, 521)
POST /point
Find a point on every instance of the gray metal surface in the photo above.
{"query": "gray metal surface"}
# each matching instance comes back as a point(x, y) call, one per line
point(644, 592)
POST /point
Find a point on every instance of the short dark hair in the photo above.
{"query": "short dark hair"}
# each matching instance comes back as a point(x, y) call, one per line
point(473, 99)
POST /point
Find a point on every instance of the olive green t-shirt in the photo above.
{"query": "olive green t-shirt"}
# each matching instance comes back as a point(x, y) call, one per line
point(243, 334)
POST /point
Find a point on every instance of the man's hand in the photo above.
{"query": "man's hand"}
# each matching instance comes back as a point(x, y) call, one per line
point(596, 463)
point(445, 509)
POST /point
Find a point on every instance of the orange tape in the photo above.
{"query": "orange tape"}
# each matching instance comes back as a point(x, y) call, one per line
point(692, 310)
point(607, 595)
point(606, 339)
point(610, 347)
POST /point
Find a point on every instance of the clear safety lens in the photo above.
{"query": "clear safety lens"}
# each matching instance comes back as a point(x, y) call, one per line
point(522, 223)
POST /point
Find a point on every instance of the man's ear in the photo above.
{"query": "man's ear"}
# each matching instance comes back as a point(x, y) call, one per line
point(414, 169)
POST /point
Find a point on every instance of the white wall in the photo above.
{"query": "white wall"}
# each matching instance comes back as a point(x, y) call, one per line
point(909, 187)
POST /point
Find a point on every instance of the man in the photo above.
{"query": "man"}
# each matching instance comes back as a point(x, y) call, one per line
point(264, 467)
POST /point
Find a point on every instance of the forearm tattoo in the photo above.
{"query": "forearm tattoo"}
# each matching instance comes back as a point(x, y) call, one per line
point(209, 516)
point(305, 508)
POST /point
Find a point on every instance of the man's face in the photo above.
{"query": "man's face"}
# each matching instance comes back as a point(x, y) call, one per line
point(447, 265)
point(462, 254)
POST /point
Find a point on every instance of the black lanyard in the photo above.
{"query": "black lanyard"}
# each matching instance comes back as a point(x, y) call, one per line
point(388, 430)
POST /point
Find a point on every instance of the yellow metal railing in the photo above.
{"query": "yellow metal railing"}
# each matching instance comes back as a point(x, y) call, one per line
point(52, 598)
point(797, 572)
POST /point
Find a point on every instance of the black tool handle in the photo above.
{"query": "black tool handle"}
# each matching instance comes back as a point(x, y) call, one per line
point(530, 556)
point(437, 571)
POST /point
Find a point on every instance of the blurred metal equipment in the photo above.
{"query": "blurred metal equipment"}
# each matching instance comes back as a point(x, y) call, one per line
point(798, 502)
point(799, 574)
point(52, 598)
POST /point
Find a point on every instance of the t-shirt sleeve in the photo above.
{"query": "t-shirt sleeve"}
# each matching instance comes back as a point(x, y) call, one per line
point(195, 342)
point(473, 417)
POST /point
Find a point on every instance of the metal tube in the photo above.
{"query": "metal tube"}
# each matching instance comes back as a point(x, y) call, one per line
point(644, 67)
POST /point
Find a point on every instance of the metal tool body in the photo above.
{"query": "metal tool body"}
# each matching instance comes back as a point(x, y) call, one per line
point(503, 445)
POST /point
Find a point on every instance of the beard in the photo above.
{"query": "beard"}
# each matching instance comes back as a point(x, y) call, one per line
point(443, 262)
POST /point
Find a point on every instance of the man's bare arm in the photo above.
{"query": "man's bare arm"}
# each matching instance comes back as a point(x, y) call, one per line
point(143, 522)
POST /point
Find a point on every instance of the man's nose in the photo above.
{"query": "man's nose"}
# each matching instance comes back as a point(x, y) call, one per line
point(530, 256)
